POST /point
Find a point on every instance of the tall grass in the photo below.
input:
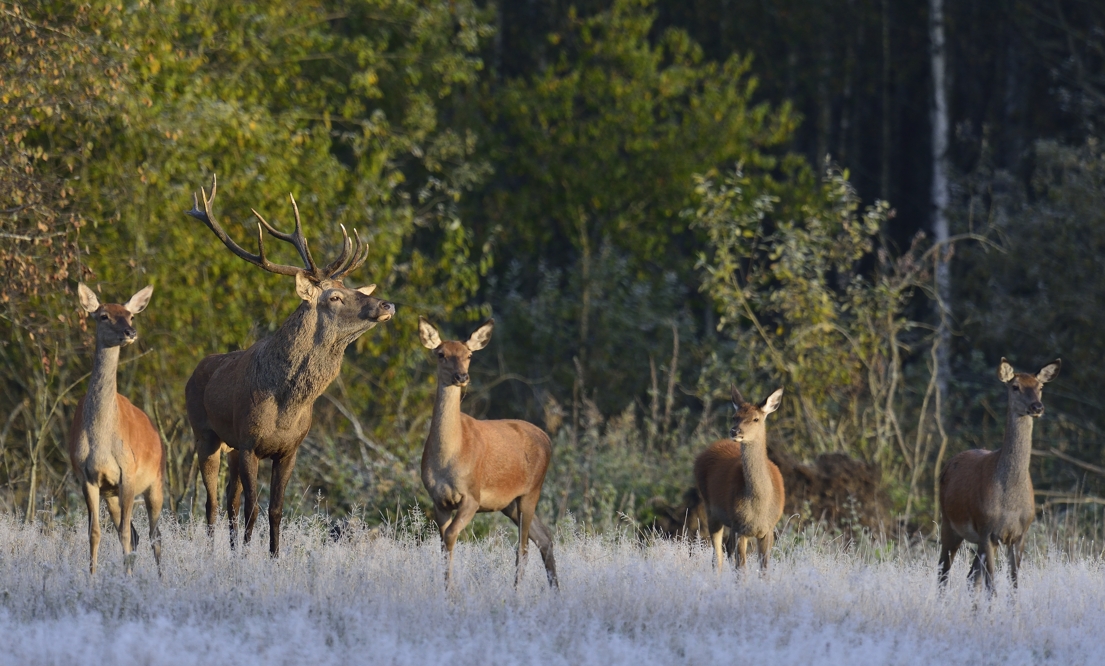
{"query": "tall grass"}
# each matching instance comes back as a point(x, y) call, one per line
point(376, 595)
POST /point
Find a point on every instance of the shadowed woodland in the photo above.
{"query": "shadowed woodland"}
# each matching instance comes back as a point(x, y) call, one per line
point(654, 199)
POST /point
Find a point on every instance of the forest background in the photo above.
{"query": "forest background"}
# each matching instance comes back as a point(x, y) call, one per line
point(654, 199)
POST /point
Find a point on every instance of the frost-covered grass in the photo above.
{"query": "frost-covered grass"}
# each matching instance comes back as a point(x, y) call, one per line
point(377, 597)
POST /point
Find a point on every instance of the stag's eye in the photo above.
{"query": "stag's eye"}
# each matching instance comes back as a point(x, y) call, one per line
point(335, 299)
point(1016, 387)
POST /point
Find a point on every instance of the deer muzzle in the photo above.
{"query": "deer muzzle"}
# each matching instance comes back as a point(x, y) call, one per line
point(1036, 409)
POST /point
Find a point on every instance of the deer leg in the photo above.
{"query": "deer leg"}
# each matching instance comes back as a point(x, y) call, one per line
point(92, 501)
point(988, 550)
point(527, 507)
point(443, 517)
point(467, 509)
point(233, 494)
point(153, 499)
point(742, 551)
point(764, 546)
point(209, 460)
point(1016, 550)
point(247, 473)
point(126, 538)
point(949, 546)
point(540, 535)
point(717, 536)
point(281, 473)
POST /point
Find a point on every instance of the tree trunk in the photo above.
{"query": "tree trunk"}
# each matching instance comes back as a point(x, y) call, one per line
point(940, 190)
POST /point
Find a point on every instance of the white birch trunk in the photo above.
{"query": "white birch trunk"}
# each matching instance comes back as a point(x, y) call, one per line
point(940, 189)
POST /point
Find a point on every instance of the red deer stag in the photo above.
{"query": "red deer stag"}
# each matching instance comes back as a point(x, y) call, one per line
point(115, 450)
point(986, 497)
point(259, 401)
point(471, 466)
point(740, 488)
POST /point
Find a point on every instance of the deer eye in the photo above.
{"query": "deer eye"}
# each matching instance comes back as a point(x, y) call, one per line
point(756, 420)
point(1016, 387)
point(103, 316)
point(335, 298)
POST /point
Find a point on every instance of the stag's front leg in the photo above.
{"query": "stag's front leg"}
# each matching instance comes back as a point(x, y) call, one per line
point(1016, 551)
point(233, 494)
point(281, 473)
point(247, 475)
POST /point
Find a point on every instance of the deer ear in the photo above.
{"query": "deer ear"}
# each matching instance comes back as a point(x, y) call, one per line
point(1005, 371)
point(307, 290)
point(428, 334)
point(89, 302)
point(367, 291)
point(139, 301)
point(1049, 371)
point(481, 336)
point(738, 399)
point(772, 403)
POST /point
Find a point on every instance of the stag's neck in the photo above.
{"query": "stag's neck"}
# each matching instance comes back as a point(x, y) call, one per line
point(445, 440)
point(300, 360)
point(101, 411)
point(757, 477)
point(1016, 450)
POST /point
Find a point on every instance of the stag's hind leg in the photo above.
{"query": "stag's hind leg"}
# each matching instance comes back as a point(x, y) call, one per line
point(209, 455)
point(247, 473)
point(949, 546)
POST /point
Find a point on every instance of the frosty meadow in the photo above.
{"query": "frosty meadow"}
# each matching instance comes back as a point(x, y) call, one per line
point(376, 594)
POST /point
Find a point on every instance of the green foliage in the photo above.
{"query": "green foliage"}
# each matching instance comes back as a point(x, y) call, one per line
point(783, 266)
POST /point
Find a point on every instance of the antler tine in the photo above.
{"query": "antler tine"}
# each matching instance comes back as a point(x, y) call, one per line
point(296, 238)
point(208, 218)
point(331, 270)
point(360, 254)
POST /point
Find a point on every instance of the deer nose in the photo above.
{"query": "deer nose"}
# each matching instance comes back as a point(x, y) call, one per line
point(461, 378)
point(733, 432)
point(130, 334)
point(1036, 409)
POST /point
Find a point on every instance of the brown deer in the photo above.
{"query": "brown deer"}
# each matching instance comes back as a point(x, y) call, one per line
point(740, 488)
point(115, 450)
point(258, 402)
point(471, 466)
point(986, 497)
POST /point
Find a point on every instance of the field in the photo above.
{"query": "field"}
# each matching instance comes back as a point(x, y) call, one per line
point(376, 596)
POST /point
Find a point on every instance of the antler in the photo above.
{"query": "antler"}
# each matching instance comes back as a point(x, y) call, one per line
point(351, 256)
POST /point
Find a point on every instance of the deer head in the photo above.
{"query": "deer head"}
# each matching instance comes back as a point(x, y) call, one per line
point(749, 421)
point(454, 356)
point(114, 323)
point(1025, 390)
point(342, 312)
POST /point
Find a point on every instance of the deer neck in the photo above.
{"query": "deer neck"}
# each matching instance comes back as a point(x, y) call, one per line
point(101, 411)
point(1016, 449)
point(445, 440)
point(300, 360)
point(757, 476)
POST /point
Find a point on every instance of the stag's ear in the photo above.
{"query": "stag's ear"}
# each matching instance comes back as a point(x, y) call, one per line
point(139, 301)
point(307, 290)
point(481, 336)
point(738, 399)
point(89, 302)
point(367, 291)
point(1005, 371)
point(428, 334)
point(1049, 371)
point(772, 403)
